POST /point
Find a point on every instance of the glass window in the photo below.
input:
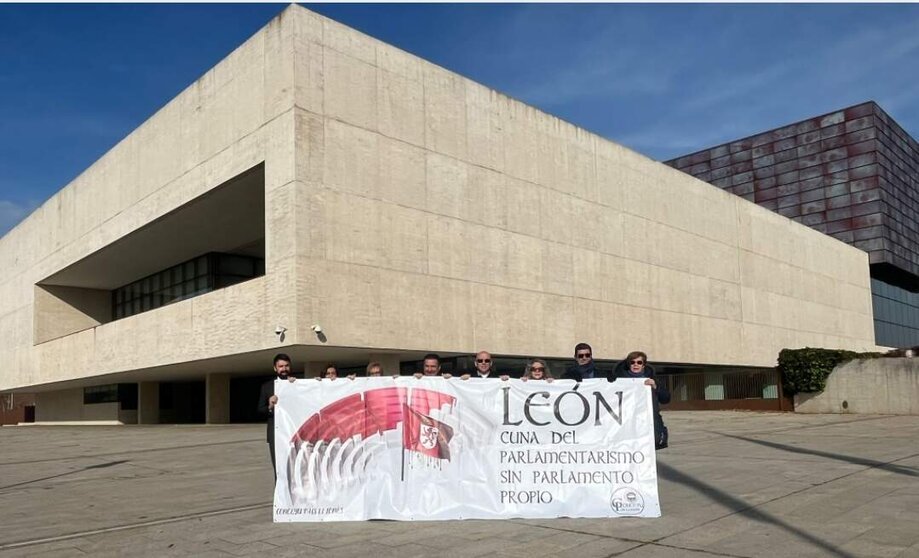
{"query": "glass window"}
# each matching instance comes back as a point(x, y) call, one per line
point(182, 281)
point(235, 265)
point(127, 396)
point(100, 394)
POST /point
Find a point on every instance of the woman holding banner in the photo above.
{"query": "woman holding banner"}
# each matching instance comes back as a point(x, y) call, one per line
point(636, 365)
point(537, 369)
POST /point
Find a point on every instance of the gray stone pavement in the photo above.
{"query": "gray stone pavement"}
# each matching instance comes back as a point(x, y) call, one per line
point(731, 484)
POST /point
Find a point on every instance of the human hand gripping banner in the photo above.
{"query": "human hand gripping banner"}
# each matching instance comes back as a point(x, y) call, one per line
point(412, 449)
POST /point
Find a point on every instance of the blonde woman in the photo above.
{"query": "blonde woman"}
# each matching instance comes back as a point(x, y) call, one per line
point(537, 369)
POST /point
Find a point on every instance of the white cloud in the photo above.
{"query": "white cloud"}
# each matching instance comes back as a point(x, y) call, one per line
point(640, 78)
point(571, 54)
point(869, 64)
point(668, 140)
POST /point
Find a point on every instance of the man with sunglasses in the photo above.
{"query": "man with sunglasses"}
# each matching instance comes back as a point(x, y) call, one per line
point(483, 367)
point(584, 368)
point(636, 365)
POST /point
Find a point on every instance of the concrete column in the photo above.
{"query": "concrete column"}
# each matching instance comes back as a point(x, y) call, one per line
point(217, 399)
point(148, 403)
point(390, 362)
point(67, 405)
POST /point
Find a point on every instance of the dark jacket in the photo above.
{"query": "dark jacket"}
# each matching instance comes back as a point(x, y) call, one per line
point(659, 395)
point(266, 392)
point(661, 392)
point(579, 373)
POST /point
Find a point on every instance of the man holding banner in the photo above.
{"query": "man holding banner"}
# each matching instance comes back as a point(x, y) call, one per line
point(267, 400)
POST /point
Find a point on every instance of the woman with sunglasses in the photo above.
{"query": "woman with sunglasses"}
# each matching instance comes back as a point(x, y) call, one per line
point(537, 369)
point(636, 365)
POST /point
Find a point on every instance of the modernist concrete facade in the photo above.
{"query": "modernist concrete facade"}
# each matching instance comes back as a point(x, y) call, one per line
point(852, 174)
point(405, 209)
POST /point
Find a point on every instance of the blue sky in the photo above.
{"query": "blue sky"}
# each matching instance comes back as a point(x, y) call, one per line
point(662, 79)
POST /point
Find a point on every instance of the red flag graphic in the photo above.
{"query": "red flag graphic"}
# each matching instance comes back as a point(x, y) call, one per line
point(425, 435)
point(375, 411)
point(379, 410)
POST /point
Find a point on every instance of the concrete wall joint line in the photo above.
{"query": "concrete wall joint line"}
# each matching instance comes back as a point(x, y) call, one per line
point(534, 184)
point(737, 248)
point(575, 297)
point(739, 266)
point(816, 272)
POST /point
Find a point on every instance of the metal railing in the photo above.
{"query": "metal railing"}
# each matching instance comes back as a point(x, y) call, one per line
point(718, 385)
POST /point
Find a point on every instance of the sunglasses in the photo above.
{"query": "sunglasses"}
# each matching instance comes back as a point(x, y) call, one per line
point(636, 362)
point(583, 355)
point(537, 369)
point(483, 360)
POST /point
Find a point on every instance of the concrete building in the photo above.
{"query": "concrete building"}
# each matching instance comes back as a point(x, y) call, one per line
point(852, 174)
point(317, 176)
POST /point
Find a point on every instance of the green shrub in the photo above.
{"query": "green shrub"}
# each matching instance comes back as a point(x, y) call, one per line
point(806, 370)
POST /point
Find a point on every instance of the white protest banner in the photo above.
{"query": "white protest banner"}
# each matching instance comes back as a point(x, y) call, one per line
point(405, 448)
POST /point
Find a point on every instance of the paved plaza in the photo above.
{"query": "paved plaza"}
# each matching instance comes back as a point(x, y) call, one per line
point(731, 484)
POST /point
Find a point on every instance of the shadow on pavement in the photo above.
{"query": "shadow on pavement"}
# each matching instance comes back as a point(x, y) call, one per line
point(889, 467)
point(744, 509)
point(75, 471)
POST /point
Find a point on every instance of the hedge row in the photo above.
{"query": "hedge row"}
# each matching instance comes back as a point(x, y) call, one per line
point(806, 370)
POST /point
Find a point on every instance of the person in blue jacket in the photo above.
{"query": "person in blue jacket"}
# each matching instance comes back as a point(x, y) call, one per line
point(636, 365)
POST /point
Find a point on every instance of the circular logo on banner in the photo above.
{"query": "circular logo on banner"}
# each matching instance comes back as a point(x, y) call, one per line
point(627, 501)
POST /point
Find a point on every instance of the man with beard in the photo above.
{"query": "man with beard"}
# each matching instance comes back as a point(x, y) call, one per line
point(584, 368)
point(267, 400)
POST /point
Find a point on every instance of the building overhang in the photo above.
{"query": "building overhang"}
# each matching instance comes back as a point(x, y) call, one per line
point(229, 218)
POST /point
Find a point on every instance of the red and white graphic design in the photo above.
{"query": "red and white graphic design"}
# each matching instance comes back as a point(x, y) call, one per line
point(430, 448)
point(334, 447)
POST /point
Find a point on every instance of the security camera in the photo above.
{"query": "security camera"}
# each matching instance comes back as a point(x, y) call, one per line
point(317, 328)
point(280, 330)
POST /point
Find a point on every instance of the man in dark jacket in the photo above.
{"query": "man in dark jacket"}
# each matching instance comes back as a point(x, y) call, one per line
point(584, 368)
point(636, 365)
point(267, 400)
